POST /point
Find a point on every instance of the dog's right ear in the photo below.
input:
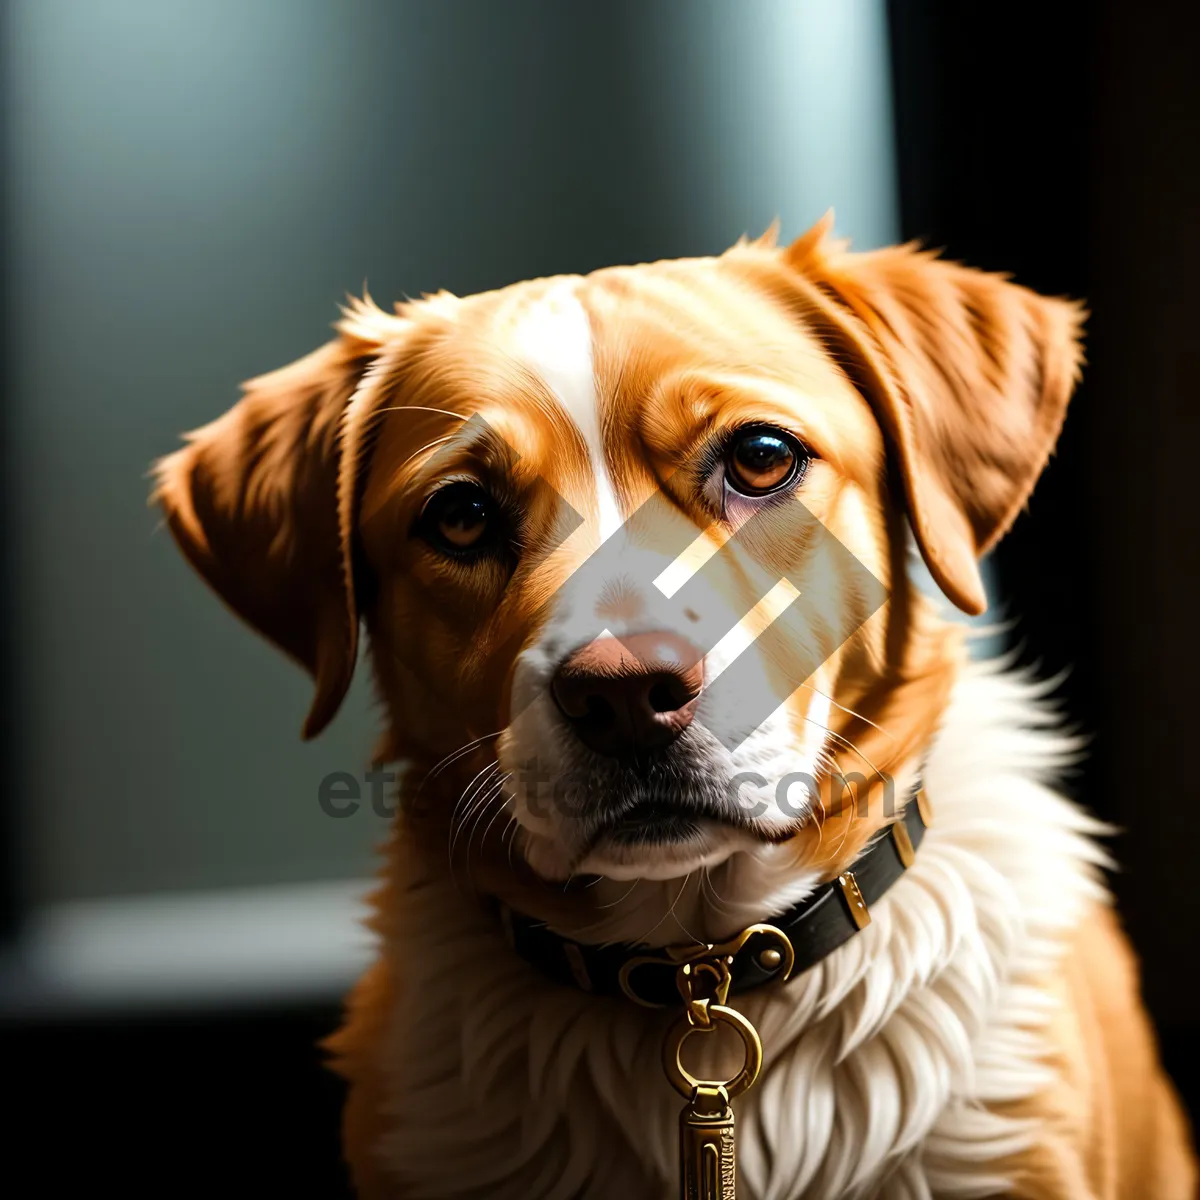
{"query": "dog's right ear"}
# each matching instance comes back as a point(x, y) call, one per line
point(261, 501)
point(969, 375)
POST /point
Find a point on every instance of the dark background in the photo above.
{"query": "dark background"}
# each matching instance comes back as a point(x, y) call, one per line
point(1056, 142)
point(1059, 148)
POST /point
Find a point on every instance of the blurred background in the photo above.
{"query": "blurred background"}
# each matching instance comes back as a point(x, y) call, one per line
point(189, 191)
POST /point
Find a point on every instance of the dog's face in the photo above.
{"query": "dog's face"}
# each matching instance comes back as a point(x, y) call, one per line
point(641, 534)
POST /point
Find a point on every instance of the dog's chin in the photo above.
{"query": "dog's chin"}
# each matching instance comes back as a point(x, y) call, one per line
point(665, 847)
point(680, 811)
point(651, 846)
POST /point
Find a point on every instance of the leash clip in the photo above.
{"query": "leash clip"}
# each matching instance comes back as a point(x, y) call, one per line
point(691, 979)
point(777, 959)
point(707, 1150)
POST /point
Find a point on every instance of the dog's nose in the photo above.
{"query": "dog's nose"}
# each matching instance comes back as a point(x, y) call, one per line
point(625, 695)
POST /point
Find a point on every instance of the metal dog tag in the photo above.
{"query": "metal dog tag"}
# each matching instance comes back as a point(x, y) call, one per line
point(706, 1147)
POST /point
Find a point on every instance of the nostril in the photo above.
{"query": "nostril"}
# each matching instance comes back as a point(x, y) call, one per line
point(599, 712)
point(627, 696)
point(668, 696)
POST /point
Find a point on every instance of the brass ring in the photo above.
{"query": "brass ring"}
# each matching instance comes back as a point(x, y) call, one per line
point(686, 1083)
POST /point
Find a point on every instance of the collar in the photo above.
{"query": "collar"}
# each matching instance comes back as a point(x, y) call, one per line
point(781, 949)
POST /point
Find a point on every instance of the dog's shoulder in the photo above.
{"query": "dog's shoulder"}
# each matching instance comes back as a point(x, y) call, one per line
point(1110, 1125)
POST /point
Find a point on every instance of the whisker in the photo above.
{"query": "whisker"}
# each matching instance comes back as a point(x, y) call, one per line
point(846, 832)
point(849, 711)
point(462, 797)
point(471, 822)
point(454, 756)
point(847, 827)
point(832, 763)
point(445, 412)
point(678, 918)
point(708, 893)
point(495, 792)
point(621, 899)
point(510, 831)
point(479, 798)
point(707, 881)
point(456, 821)
point(428, 446)
point(846, 742)
point(670, 911)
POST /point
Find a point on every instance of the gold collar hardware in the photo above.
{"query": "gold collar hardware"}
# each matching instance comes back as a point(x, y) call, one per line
point(711, 953)
point(903, 844)
point(707, 1151)
point(860, 914)
point(924, 807)
point(706, 973)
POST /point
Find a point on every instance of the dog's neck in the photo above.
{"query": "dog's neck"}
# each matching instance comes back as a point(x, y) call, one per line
point(881, 725)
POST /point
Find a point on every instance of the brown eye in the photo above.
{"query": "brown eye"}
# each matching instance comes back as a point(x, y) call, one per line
point(761, 461)
point(459, 519)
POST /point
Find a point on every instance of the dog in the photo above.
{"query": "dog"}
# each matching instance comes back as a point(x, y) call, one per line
point(633, 552)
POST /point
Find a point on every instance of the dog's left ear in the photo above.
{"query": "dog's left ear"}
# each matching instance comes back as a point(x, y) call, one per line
point(261, 501)
point(970, 377)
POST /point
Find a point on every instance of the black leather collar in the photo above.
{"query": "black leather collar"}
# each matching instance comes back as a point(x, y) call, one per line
point(799, 938)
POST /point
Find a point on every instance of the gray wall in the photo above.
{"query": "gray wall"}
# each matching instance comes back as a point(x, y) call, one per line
point(192, 189)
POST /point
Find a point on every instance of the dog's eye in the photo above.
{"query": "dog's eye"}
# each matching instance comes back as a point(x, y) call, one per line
point(763, 460)
point(459, 519)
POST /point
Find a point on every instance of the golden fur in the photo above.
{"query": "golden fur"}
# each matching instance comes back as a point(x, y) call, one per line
point(930, 395)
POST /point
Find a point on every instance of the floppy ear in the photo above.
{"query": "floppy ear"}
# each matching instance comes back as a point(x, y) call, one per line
point(970, 377)
point(255, 503)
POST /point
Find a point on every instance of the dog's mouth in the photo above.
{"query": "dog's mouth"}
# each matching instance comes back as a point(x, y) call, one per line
point(664, 816)
point(657, 824)
point(651, 823)
point(653, 839)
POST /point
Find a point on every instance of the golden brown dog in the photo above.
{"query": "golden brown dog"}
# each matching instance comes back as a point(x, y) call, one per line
point(615, 541)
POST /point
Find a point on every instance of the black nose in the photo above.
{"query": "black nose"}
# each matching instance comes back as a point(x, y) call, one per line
point(625, 695)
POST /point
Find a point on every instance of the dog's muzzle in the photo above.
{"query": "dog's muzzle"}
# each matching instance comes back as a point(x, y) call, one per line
point(629, 697)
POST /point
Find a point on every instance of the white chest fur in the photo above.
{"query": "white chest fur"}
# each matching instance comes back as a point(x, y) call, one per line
point(879, 1061)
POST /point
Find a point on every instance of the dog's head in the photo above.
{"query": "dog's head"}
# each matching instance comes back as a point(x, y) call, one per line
point(642, 534)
